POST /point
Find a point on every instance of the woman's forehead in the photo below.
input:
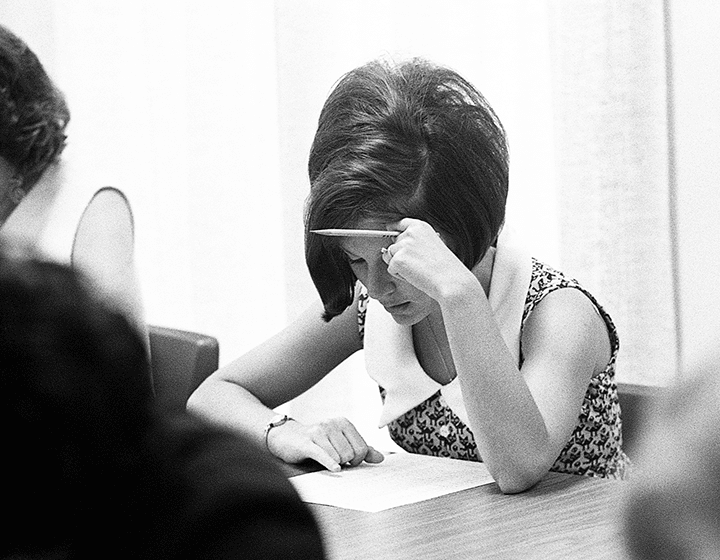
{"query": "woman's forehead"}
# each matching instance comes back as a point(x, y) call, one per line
point(361, 246)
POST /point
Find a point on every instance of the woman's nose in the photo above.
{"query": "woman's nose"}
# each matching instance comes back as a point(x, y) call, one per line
point(380, 283)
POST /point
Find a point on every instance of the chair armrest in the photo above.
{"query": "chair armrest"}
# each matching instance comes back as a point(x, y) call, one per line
point(635, 402)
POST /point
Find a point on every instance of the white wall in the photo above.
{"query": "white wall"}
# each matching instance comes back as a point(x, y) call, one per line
point(175, 101)
point(696, 89)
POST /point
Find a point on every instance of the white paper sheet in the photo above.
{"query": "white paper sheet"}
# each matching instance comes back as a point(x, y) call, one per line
point(402, 478)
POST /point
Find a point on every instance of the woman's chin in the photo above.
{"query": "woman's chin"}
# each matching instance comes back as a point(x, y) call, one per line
point(404, 314)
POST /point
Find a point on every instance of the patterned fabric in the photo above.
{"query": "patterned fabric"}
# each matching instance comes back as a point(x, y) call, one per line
point(595, 447)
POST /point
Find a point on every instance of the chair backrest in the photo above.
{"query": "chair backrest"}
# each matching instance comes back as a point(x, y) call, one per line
point(635, 403)
point(103, 250)
point(180, 361)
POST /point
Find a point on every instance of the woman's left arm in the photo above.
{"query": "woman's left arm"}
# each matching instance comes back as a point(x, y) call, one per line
point(521, 419)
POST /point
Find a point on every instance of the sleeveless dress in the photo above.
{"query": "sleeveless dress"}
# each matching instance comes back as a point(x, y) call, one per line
point(595, 446)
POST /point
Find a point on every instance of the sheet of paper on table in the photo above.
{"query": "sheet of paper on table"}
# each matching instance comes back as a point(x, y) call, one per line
point(402, 478)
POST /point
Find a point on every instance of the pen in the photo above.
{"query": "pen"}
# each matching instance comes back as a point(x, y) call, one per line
point(356, 232)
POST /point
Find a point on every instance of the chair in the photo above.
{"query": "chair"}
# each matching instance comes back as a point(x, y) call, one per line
point(103, 249)
point(635, 403)
point(180, 361)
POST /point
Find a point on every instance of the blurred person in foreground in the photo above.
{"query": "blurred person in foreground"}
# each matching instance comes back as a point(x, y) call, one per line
point(92, 467)
point(672, 509)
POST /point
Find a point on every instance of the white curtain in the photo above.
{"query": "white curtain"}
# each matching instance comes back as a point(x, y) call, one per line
point(203, 112)
point(695, 169)
point(611, 128)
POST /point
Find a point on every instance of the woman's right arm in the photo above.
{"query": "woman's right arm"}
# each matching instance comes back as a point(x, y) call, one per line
point(242, 395)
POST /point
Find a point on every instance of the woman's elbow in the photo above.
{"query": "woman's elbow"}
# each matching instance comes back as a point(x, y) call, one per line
point(199, 399)
point(515, 485)
point(519, 480)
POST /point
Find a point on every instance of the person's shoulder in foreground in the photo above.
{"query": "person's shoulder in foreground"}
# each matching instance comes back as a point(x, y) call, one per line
point(229, 499)
point(673, 507)
point(96, 468)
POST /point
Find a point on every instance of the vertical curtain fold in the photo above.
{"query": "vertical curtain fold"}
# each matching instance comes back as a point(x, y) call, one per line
point(611, 137)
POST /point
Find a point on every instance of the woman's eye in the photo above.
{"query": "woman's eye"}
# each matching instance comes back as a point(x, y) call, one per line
point(353, 261)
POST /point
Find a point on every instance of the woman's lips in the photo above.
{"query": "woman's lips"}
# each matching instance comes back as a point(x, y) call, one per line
point(395, 307)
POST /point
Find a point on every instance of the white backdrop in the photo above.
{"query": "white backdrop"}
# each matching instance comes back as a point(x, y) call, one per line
point(176, 103)
point(203, 113)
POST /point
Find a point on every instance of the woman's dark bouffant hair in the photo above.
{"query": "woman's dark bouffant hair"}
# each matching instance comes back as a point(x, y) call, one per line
point(33, 113)
point(403, 140)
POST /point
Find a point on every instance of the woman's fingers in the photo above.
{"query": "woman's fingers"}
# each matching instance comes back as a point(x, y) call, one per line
point(293, 442)
point(340, 440)
point(374, 456)
point(340, 447)
point(331, 443)
point(319, 454)
point(420, 256)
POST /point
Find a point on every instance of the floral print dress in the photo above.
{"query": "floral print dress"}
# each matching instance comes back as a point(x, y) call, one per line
point(595, 446)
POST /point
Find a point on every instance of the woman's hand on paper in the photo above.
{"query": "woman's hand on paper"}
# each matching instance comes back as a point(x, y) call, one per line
point(332, 443)
point(419, 256)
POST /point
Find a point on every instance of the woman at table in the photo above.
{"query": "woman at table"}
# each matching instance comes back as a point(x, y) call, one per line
point(480, 352)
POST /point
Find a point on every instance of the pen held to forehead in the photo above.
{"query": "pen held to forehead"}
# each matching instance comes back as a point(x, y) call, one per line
point(356, 232)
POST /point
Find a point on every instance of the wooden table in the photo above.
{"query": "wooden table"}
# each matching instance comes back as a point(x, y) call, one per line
point(564, 516)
